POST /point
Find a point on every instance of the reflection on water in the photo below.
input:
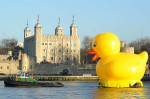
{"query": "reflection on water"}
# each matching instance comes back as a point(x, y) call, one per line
point(74, 90)
point(102, 93)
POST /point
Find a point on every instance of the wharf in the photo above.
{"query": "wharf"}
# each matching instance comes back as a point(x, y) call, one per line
point(67, 78)
point(58, 78)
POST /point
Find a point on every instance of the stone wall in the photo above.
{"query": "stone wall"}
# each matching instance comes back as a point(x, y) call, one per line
point(4, 57)
point(9, 66)
point(59, 69)
point(128, 50)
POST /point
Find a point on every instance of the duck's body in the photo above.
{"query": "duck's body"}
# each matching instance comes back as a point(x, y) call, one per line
point(116, 69)
point(123, 67)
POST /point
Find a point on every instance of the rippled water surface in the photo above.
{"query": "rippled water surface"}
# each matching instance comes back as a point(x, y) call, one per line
point(73, 90)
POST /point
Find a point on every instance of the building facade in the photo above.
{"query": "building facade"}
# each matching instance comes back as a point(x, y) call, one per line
point(57, 48)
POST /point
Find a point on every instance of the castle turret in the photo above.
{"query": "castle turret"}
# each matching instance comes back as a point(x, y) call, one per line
point(25, 63)
point(38, 41)
point(73, 28)
point(26, 36)
point(59, 29)
point(27, 31)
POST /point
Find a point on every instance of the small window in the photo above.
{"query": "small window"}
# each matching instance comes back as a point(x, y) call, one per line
point(51, 58)
point(1, 67)
point(42, 43)
point(74, 44)
point(45, 43)
point(43, 50)
point(74, 50)
point(67, 58)
point(67, 50)
point(44, 58)
point(59, 44)
point(30, 66)
point(50, 43)
point(59, 58)
point(51, 49)
point(74, 58)
point(7, 67)
point(59, 50)
point(67, 44)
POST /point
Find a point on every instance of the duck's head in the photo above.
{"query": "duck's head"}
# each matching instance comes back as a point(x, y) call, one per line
point(104, 45)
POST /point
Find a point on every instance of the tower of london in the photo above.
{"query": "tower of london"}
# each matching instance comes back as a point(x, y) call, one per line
point(57, 48)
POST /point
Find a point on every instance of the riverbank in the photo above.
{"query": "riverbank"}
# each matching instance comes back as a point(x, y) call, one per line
point(68, 78)
point(60, 78)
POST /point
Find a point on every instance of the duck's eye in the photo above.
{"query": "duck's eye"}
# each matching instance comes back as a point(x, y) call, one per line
point(94, 44)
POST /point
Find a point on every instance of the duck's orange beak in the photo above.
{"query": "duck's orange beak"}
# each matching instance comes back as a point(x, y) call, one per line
point(93, 52)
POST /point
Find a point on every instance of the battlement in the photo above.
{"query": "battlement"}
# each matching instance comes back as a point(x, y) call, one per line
point(48, 36)
point(9, 61)
point(51, 35)
point(44, 35)
point(4, 57)
point(66, 36)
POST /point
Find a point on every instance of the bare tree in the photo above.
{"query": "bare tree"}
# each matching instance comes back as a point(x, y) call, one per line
point(9, 42)
point(86, 46)
point(86, 42)
point(142, 44)
point(139, 44)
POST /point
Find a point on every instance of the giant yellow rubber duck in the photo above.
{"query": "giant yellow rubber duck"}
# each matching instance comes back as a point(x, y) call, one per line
point(116, 69)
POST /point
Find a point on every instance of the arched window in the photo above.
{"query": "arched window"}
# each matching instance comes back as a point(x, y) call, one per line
point(44, 58)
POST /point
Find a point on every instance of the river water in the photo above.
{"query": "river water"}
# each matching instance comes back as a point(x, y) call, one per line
point(74, 90)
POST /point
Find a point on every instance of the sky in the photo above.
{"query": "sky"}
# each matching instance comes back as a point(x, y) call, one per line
point(128, 19)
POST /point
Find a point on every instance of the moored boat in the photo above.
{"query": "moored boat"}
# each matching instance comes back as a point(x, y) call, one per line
point(26, 80)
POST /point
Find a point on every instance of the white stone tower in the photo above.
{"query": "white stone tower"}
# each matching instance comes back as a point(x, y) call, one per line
point(26, 35)
point(75, 43)
point(73, 28)
point(38, 41)
point(59, 29)
point(27, 32)
point(25, 63)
